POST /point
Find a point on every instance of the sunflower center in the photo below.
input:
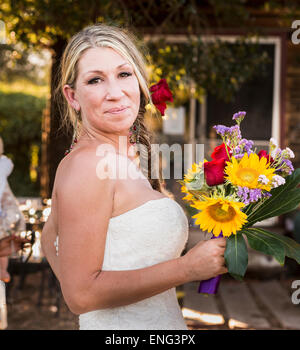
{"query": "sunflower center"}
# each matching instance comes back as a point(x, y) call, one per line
point(247, 174)
point(218, 213)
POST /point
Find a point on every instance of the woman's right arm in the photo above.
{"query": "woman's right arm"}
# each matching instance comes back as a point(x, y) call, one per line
point(85, 205)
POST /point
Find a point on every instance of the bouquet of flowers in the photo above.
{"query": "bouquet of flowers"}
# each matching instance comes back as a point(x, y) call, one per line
point(239, 188)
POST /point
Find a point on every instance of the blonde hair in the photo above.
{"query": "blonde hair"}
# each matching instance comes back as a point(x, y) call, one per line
point(127, 45)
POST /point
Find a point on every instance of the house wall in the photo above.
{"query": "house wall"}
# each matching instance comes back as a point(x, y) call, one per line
point(292, 115)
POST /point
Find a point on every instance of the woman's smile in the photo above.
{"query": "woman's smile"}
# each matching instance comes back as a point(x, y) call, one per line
point(117, 111)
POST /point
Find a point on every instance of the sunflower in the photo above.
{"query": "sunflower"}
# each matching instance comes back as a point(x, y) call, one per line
point(196, 168)
point(189, 196)
point(246, 172)
point(220, 214)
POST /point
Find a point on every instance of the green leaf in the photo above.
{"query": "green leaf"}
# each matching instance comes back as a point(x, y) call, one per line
point(275, 244)
point(265, 243)
point(284, 204)
point(236, 256)
point(284, 199)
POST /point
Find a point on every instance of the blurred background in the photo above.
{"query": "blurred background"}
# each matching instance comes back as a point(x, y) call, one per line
point(218, 57)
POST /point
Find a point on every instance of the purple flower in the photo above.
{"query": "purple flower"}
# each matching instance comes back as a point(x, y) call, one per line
point(288, 164)
point(247, 144)
point(239, 156)
point(235, 131)
point(239, 116)
point(246, 199)
point(286, 167)
point(248, 195)
point(237, 149)
point(267, 194)
point(255, 194)
point(246, 190)
point(221, 129)
point(243, 194)
point(240, 191)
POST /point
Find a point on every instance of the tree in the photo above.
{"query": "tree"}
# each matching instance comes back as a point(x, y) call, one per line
point(20, 117)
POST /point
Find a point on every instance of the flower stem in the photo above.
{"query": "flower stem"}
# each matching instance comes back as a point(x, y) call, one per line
point(226, 148)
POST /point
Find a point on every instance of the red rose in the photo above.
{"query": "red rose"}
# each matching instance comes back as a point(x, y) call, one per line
point(160, 94)
point(214, 172)
point(264, 153)
point(220, 152)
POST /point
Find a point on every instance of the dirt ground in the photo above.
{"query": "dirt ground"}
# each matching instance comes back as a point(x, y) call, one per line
point(25, 313)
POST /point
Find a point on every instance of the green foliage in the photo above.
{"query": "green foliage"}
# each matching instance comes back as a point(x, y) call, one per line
point(20, 129)
point(284, 199)
point(273, 244)
point(236, 256)
point(278, 246)
point(217, 67)
point(16, 63)
point(40, 23)
point(265, 242)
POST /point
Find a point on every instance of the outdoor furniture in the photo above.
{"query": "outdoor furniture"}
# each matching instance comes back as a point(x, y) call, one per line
point(23, 266)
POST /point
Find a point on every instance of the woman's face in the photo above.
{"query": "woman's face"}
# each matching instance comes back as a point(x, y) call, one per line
point(107, 91)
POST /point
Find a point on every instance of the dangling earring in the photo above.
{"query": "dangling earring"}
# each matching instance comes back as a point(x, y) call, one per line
point(74, 139)
point(134, 132)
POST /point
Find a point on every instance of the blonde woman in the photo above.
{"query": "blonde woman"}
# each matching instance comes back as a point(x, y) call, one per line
point(118, 253)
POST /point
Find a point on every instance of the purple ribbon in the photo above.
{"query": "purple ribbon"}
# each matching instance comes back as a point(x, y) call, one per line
point(211, 285)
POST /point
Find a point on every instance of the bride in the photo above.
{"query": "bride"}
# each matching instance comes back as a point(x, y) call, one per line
point(115, 243)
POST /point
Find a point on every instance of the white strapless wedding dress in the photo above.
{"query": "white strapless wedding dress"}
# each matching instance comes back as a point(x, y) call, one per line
point(154, 232)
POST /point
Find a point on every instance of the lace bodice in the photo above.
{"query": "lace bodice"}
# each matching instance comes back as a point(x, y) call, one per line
point(154, 232)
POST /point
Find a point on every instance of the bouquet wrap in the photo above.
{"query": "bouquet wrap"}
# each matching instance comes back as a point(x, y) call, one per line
point(211, 285)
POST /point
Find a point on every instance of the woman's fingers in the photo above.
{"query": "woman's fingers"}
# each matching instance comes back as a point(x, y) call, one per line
point(221, 242)
point(223, 270)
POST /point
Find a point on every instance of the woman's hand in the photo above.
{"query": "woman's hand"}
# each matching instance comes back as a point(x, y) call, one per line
point(205, 260)
point(11, 244)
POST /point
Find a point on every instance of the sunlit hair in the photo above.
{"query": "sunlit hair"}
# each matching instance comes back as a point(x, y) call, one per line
point(127, 45)
point(1, 146)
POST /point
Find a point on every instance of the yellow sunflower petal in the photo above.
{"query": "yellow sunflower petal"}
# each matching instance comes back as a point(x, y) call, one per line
point(246, 172)
point(213, 218)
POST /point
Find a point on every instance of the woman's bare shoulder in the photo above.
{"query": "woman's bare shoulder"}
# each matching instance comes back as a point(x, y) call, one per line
point(81, 168)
